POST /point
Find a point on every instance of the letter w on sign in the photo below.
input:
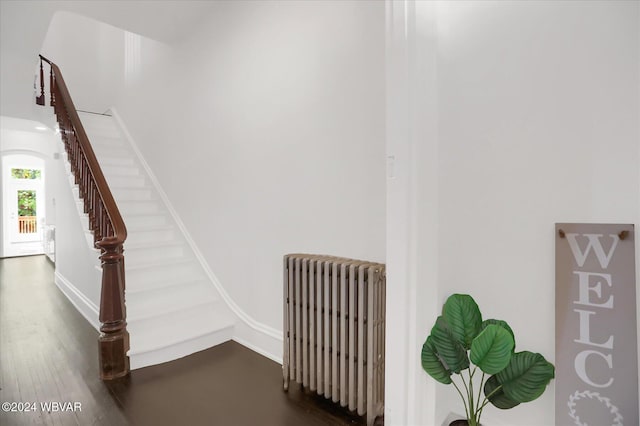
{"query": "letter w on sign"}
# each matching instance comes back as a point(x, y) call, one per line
point(595, 245)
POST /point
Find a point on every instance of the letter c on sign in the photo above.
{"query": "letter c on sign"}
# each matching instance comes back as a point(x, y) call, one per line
point(581, 367)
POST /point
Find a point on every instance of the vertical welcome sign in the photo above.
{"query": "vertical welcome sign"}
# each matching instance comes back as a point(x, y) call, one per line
point(596, 341)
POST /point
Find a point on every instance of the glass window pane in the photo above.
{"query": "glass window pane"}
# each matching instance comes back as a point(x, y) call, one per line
point(27, 218)
point(26, 173)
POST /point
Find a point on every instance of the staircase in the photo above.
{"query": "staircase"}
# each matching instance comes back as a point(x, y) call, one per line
point(173, 309)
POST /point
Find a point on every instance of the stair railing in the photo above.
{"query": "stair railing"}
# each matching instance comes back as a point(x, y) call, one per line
point(109, 231)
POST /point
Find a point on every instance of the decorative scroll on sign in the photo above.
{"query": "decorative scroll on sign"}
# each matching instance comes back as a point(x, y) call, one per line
point(596, 341)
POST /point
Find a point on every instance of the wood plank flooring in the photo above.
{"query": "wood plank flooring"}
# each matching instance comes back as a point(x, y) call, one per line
point(48, 352)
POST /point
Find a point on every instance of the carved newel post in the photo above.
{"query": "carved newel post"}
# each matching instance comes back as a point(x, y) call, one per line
point(40, 99)
point(114, 337)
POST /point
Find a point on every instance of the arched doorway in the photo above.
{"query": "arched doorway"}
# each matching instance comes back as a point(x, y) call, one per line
point(23, 204)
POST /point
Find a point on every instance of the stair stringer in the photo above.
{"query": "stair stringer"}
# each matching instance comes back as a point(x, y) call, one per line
point(249, 332)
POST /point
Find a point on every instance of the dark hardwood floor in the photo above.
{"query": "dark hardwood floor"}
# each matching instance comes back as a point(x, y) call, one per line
point(48, 352)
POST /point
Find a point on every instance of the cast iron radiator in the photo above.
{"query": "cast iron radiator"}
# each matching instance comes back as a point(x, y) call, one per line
point(334, 321)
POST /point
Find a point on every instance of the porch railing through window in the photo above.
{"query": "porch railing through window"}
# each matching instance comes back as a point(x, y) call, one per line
point(108, 228)
point(27, 224)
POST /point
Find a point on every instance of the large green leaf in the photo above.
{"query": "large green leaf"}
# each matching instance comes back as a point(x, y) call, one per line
point(432, 364)
point(492, 349)
point(448, 347)
point(498, 398)
point(526, 376)
point(464, 317)
point(501, 323)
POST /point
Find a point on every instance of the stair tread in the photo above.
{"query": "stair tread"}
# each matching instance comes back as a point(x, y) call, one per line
point(134, 201)
point(135, 197)
point(154, 245)
point(165, 283)
point(134, 286)
point(155, 302)
point(146, 227)
point(126, 182)
point(114, 170)
point(154, 214)
point(107, 161)
point(110, 156)
point(176, 327)
point(166, 263)
point(107, 140)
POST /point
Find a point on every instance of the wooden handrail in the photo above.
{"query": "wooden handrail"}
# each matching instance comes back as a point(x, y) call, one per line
point(105, 220)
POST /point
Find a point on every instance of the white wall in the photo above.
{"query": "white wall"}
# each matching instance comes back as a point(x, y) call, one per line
point(266, 130)
point(22, 29)
point(91, 57)
point(538, 123)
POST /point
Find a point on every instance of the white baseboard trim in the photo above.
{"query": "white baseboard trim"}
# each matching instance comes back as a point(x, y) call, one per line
point(265, 344)
point(85, 306)
point(256, 349)
point(263, 339)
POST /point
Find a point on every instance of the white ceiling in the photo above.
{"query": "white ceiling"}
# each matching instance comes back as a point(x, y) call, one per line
point(167, 21)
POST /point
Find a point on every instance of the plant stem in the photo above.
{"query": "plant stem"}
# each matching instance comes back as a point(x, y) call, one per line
point(467, 391)
point(480, 393)
point(486, 398)
point(466, 410)
point(471, 409)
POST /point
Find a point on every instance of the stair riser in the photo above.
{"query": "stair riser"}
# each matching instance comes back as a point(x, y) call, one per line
point(152, 304)
point(88, 235)
point(107, 142)
point(135, 207)
point(149, 278)
point(138, 221)
point(84, 221)
point(125, 194)
point(116, 161)
point(137, 256)
point(103, 151)
point(125, 182)
point(180, 349)
point(120, 171)
point(139, 237)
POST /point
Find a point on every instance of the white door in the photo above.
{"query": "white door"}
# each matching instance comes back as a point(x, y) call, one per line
point(24, 205)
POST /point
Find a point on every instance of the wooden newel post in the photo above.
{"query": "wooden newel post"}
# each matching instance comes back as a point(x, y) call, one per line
point(114, 337)
point(52, 88)
point(40, 99)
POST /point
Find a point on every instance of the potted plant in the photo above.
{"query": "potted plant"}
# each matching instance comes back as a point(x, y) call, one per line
point(462, 343)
